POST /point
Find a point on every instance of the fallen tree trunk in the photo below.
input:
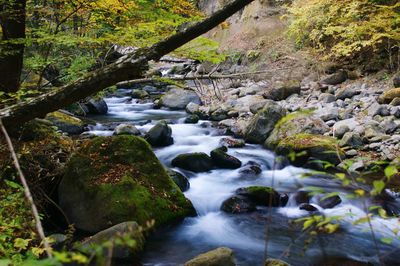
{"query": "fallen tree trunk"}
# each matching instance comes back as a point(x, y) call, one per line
point(131, 66)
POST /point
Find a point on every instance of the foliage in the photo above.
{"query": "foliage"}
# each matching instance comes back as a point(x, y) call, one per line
point(348, 29)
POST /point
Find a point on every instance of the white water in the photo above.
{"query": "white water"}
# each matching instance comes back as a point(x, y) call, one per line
point(245, 233)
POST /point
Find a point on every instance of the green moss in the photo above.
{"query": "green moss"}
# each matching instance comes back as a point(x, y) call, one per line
point(61, 117)
point(307, 141)
point(258, 189)
point(291, 116)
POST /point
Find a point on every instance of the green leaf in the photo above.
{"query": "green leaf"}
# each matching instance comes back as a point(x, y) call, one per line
point(379, 185)
point(387, 240)
point(390, 171)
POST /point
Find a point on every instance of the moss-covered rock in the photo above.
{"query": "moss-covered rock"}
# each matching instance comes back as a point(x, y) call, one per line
point(217, 257)
point(275, 262)
point(110, 180)
point(180, 180)
point(389, 95)
point(160, 135)
point(66, 123)
point(295, 123)
point(265, 196)
point(223, 160)
point(195, 162)
point(310, 146)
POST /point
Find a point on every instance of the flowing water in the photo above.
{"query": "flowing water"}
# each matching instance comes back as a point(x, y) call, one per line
point(249, 235)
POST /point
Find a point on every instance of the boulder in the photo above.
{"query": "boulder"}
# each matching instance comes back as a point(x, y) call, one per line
point(302, 196)
point(223, 160)
point(238, 204)
point(66, 123)
point(232, 143)
point(192, 119)
point(310, 146)
point(275, 262)
point(264, 122)
point(139, 94)
point(307, 207)
point(326, 98)
point(336, 78)
point(111, 235)
point(192, 108)
point(110, 180)
point(195, 162)
point(179, 179)
point(217, 257)
point(283, 92)
point(329, 202)
point(346, 93)
point(351, 139)
point(178, 99)
point(295, 123)
point(389, 95)
point(160, 135)
point(328, 113)
point(264, 196)
point(126, 129)
point(251, 169)
point(97, 107)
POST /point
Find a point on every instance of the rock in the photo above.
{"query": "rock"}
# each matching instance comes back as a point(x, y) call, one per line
point(243, 104)
point(275, 262)
point(351, 153)
point(395, 101)
point(302, 196)
point(341, 127)
point(223, 160)
point(295, 123)
point(307, 207)
point(192, 108)
point(281, 93)
point(66, 123)
point(249, 90)
point(237, 205)
point(280, 162)
point(78, 109)
point(97, 107)
point(396, 80)
point(192, 119)
point(335, 261)
point(264, 196)
point(178, 99)
point(139, 94)
point(217, 257)
point(389, 95)
point(232, 143)
point(264, 122)
point(150, 89)
point(346, 93)
point(125, 229)
point(126, 129)
point(351, 139)
point(195, 162)
point(179, 179)
point(330, 202)
point(309, 146)
point(336, 78)
point(251, 169)
point(326, 98)
point(110, 180)
point(160, 135)
point(378, 109)
point(328, 113)
point(389, 125)
point(257, 107)
point(219, 115)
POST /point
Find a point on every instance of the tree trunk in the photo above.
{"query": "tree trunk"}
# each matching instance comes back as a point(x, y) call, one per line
point(131, 66)
point(12, 44)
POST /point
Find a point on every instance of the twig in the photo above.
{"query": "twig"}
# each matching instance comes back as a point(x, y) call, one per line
point(27, 192)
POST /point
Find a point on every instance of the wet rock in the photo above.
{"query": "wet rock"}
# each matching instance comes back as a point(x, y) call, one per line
point(223, 160)
point(302, 196)
point(150, 89)
point(395, 101)
point(114, 179)
point(264, 122)
point(217, 257)
point(330, 202)
point(192, 119)
point(251, 169)
point(307, 207)
point(66, 123)
point(351, 139)
point(192, 108)
point(219, 115)
point(179, 179)
point(160, 135)
point(232, 143)
point(238, 204)
point(283, 92)
point(257, 107)
point(280, 162)
point(178, 99)
point(139, 94)
point(126, 129)
point(389, 95)
point(97, 107)
point(264, 196)
point(336, 78)
point(275, 262)
point(195, 162)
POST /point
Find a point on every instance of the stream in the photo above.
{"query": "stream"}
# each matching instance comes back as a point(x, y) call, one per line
point(246, 234)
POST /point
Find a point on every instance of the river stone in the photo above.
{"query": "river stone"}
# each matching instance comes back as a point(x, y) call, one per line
point(389, 95)
point(336, 78)
point(192, 119)
point(223, 160)
point(264, 196)
point(160, 135)
point(378, 109)
point(343, 126)
point(178, 99)
point(66, 123)
point(238, 204)
point(179, 179)
point(126, 129)
point(243, 104)
point(217, 257)
point(264, 122)
point(110, 180)
point(97, 107)
point(330, 202)
point(346, 93)
point(195, 162)
point(192, 108)
point(295, 123)
point(257, 107)
point(232, 143)
point(275, 262)
point(139, 94)
point(251, 169)
point(351, 139)
point(326, 98)
point(307, 207)
point(328, 113)
point(283, 92)
point(150, 89)
point(125, 229)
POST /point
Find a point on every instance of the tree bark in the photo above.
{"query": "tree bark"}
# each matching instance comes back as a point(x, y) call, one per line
point(12, 44)
point(131, 66)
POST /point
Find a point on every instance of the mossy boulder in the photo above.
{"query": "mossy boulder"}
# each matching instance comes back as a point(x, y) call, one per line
point(238, 204)
point(180, 180)
point(217, 257)
point(195, 162)
point(66, 123)
point(280, 93)
point(178, 99)
point(36, 129)
point(275, 262)
point(110, 180)
point(264, 196)
point(310, 146)
point(223, 160)
point(389, 95)
point(295, 123)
